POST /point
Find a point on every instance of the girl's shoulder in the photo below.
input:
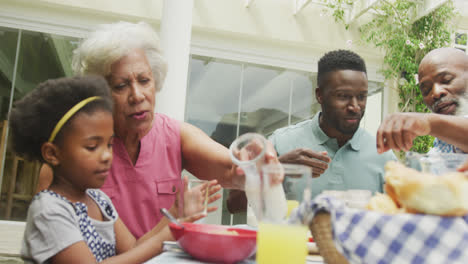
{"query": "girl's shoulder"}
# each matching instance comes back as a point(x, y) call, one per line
point(50, 216)
point(48, 202)
point(104, 203)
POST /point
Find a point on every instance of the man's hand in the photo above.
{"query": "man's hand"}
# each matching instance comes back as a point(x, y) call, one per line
point(398, 131)
point(318, 161)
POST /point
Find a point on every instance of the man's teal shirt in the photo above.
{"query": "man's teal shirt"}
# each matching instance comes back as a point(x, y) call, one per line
point(356, 165)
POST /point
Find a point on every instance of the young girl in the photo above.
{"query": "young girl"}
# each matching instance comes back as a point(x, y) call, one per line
point(68, 124)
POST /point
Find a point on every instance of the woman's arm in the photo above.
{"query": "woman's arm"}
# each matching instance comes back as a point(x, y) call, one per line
point(207, 159)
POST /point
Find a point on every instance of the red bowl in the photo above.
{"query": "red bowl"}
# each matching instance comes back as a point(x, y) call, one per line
point(214, 243)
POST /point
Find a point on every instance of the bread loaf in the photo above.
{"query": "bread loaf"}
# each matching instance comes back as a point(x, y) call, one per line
point(382, 203)
point(418, 192)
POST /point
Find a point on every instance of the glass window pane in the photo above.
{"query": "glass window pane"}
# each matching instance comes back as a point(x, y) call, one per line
point(265, 99)
point(213, 97)
point(41, 56)
point(212, 104)
point(8, 44)
point(304, 105)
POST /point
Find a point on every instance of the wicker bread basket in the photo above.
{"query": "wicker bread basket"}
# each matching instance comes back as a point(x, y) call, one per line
point(322, 232)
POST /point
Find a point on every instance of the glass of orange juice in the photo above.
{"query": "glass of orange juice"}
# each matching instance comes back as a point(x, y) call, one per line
point(278, 242)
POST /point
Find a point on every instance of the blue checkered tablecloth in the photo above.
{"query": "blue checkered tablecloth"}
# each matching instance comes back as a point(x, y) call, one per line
point(364, 236)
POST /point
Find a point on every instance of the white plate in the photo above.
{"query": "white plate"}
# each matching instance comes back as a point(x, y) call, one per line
point(312, 247)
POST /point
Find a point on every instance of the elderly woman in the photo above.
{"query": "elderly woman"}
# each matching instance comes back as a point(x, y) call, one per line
point(150, 150)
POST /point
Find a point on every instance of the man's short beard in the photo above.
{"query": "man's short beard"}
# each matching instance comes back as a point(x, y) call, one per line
point(444, 100)
point(462, 109)
point(349, 131)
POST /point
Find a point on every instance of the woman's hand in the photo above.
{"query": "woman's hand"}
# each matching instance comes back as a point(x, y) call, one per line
point(191, 218)
point(269, 158)
point(194, 198)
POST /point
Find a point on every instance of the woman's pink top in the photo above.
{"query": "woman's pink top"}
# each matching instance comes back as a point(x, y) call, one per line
point(139, 191)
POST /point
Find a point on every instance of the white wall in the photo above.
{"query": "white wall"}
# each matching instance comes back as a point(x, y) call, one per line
point(372, 116)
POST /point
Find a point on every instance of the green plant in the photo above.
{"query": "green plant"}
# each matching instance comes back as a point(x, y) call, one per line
point(405, 42)
point(460, 38)
point(338, 7)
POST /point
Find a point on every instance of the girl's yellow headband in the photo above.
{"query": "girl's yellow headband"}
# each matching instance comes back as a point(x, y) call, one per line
point(69, 114)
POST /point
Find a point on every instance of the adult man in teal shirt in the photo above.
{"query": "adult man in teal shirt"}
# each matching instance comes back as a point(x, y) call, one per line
point(342, 155)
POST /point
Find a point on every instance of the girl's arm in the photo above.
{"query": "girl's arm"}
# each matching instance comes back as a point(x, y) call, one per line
point(76, 253)
point(80, 252)
point(147, 246)
point(142, 251)
point(127, 248)
point(126, 241)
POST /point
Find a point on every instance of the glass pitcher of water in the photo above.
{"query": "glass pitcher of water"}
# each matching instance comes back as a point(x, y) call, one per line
point(264, 195)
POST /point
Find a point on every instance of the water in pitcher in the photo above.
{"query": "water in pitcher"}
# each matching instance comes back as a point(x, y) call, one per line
point(267, 200)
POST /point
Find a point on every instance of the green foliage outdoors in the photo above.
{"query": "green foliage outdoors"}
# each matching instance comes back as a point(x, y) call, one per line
point(460, 38)
point(405, 42)
point(338, 7)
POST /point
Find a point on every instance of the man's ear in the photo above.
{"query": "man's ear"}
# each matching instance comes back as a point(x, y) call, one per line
point(50, 153)
point(318, 95)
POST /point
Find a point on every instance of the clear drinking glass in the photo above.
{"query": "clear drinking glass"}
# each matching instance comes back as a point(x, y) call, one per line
point(248, 152)
point(297, 182)
point(263, 190)
point(435, 163)
point(277, 235)
point(199, 203)
point(274, 204)
point(297, 185)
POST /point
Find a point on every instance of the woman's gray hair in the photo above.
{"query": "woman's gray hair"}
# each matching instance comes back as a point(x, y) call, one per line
point(111, 42)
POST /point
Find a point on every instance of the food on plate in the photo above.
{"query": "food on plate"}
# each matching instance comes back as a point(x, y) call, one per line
point(418, 192)
point(224, 232)
point(383, 203)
